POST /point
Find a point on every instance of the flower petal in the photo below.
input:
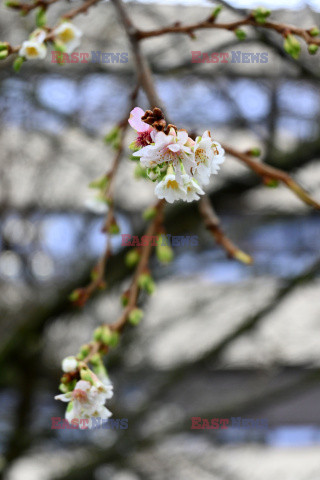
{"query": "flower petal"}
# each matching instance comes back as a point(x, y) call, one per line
point(174, 147)
point(182, 137)
point(135, 120)
point(64, 397)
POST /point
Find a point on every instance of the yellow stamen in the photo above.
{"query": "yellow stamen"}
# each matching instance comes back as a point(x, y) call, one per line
point(172, 184)
point(200, 156)
point(67, 35)
point(32, 51)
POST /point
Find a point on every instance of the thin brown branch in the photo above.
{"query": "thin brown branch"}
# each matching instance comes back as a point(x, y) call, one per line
point(26, 8)
point(142, 265)
point(134, 289)
point(190, 29)
point(142, 67)
point(280, 28)
point(212, 223)
point(77, 11)
point(271, 173)
point(82, 295)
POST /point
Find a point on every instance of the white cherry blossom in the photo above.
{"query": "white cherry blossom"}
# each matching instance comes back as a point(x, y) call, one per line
point(170, 189)
point(179, 165)
point(68, 35)
point(218, 153)
point(172, 148)
point(203, 157)
point(193, 189)
point(34, 48)
point(88, 400)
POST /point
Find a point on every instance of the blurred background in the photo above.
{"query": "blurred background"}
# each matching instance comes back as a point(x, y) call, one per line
point(219, 339)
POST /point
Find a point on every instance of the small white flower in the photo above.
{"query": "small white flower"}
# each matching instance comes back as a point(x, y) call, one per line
point(97, 397)
point(203, 155)
point(87, 400)
point(193, 189)
point(218, 153)
point(218, 158)
point(68, 35)
point(170, 189)
point(105, 380)
point(172, 148)
point(69, 364)
point(33, 49)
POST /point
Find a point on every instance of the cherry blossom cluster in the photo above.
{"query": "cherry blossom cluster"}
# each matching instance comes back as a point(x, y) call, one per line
point(88, 395)
point(66, 38)
point(180, 166)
